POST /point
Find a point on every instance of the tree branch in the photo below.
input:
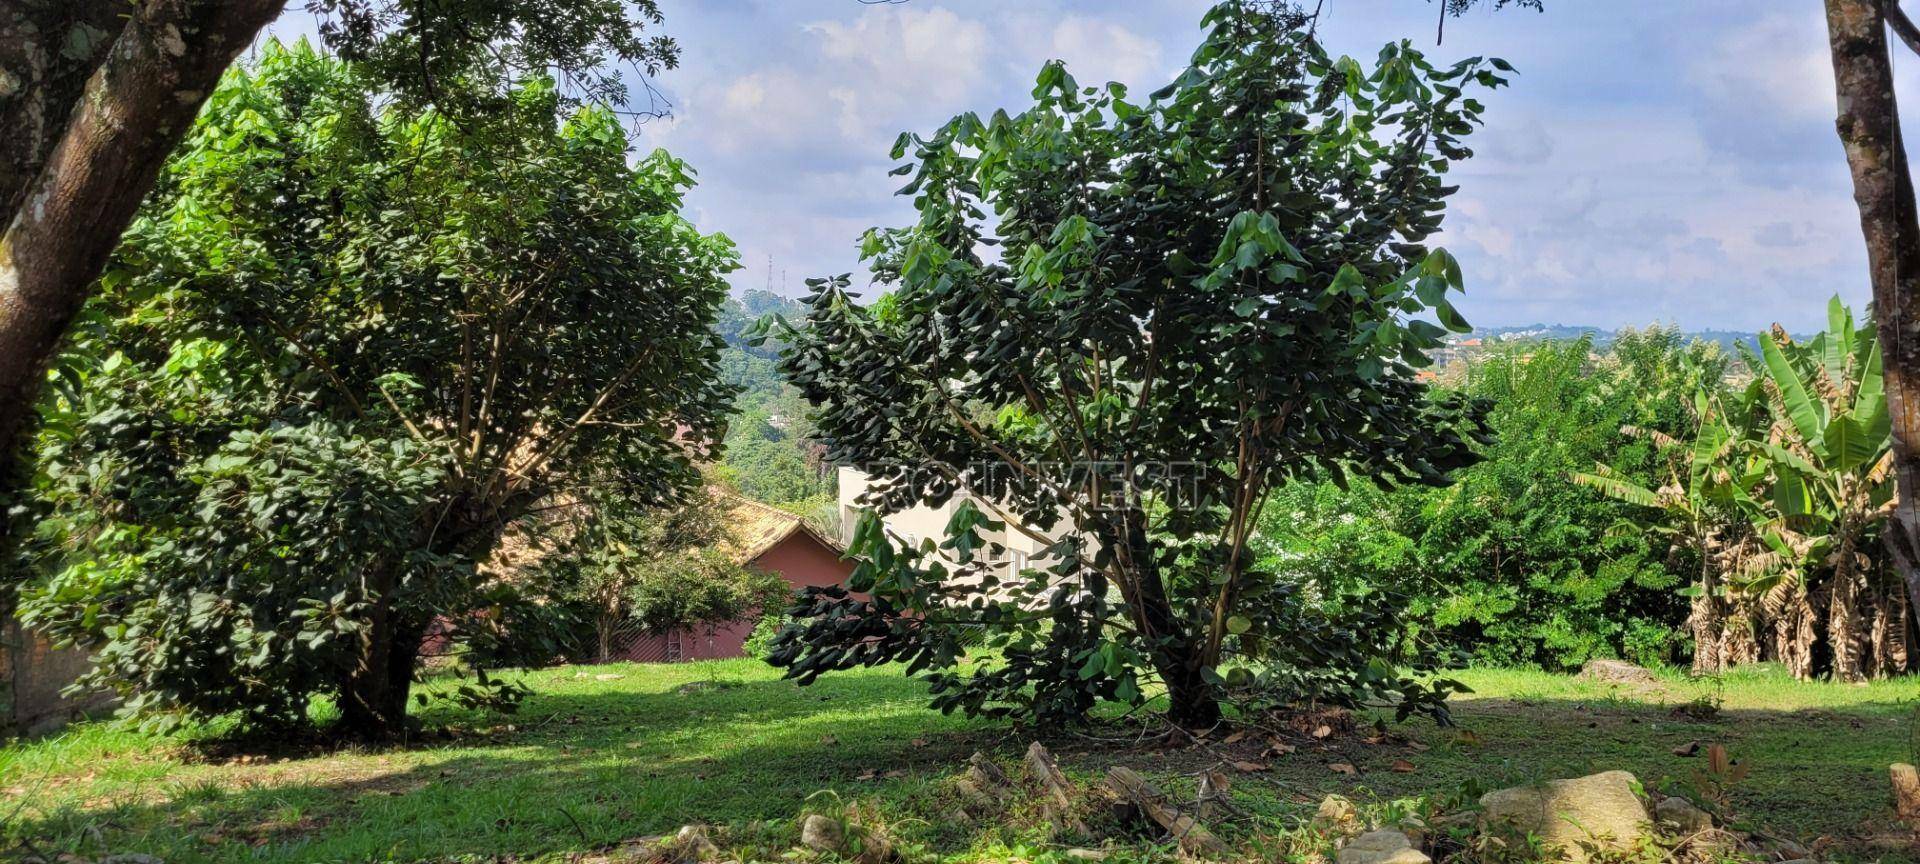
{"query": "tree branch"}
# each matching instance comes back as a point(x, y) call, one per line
point(1903, 26)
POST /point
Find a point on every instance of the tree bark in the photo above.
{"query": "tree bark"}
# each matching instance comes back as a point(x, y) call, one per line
point(1869, 128)
point(48, 50)
point(373, 694)
point(373, 702)
point(1191, 700)
point(115, 133)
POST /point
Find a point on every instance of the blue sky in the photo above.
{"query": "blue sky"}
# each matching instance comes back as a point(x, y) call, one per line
point(1652, 161)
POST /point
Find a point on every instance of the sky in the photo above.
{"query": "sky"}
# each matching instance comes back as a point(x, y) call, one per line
point(1652, 161)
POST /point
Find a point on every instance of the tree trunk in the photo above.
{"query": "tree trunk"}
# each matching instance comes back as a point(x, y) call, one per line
point(114, 135)
point(604, 626)
point(373, 705)
point(1869, 127)
point(48, 50)
point(1843, 625)
point(373, 694)
point(1706, 624)
point(1191, 700)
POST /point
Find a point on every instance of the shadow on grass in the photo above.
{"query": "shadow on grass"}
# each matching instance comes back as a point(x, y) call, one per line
point(581, 771)
point(577, 771)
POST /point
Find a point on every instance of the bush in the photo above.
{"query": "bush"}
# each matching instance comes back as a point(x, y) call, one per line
point(1515, 564)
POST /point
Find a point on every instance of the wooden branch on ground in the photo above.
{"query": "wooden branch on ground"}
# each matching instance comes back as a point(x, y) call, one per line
point(985, 786)
point(1041, 765)
point(1188, 832)
point(987, 775)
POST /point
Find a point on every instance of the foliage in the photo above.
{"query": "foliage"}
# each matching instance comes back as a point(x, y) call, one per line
point(1828, 459)
point(340, 350)
point(1788, 481)
point(706, 587)
point(468, 58)
point(620, 560)
point(766, 631)
point(1198, 298)
point(770, 453)
point(1512, 564)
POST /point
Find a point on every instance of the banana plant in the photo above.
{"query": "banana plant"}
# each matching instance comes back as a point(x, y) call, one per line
point(1703, 506)
point(1827, 457)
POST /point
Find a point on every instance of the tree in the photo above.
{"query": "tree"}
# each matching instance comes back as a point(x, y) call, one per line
point(1505, 566)
point(664, 568)
point(339, 352)
point(1704, 504)
point(1869, 127)
point(94, 95)
point(1196, 299)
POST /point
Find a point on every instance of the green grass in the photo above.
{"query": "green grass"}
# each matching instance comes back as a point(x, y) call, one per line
point(603, 754)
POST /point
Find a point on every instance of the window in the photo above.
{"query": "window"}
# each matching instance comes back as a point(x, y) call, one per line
point(673, 645)
point(1016, 562)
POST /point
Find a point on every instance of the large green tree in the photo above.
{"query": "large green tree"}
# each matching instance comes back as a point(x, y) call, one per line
point(94, 95)
point(1126, 323)
point(341, 349)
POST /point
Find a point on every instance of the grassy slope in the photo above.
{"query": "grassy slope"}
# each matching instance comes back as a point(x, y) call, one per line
point(606, 753)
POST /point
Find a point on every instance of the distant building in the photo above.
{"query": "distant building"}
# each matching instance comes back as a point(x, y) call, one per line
point(768, 539)
point(1024, 548)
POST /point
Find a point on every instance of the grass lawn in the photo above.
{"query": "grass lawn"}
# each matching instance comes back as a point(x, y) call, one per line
point(606, 753)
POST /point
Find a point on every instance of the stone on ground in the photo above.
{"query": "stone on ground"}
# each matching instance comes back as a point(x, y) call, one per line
point(1616, 672)
point(693, 841)
point(1385, 846)
point(1681, 812)
point(1599, 809)
point(822, 834)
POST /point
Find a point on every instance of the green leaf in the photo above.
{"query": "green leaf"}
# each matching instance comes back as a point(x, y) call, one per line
point(1799, 405)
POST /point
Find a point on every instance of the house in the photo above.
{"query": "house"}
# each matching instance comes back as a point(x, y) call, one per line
point(1024, 547)
point(766, 538)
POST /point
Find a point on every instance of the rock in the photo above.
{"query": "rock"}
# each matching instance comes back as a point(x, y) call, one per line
point(693, 841)
point(822, 834)
point(1385, 846)
point(1681, 813)
point(1336, 814)
point(1598, 809)
point(1616, 672)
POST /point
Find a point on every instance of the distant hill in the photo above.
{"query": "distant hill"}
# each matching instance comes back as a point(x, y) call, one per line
point(1603, 337)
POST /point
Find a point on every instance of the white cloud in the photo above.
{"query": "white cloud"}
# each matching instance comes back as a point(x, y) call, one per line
point(1777, 63)
point(1098, 51)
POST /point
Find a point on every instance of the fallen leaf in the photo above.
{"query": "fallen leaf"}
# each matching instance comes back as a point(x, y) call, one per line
point(1417, 747)
point(1466, 737)
point(1687, 749)
point(1322, 731)
point(829, 740)
point(1236, 737)
point(1250, 767)
point(1402, 766)
point(919, 742)
point(1342, 768)
point(1277, 747)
